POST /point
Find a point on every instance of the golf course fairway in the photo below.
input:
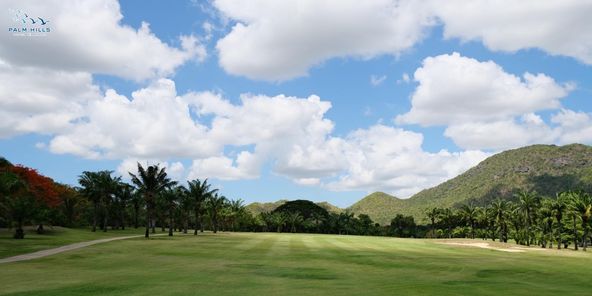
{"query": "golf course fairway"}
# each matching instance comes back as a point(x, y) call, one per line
point(298, 264)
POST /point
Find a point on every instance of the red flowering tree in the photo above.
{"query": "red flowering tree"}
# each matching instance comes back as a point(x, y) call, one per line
point(33, 199)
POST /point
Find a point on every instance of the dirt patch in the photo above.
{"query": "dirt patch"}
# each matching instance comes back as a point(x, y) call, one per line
point(485, 245)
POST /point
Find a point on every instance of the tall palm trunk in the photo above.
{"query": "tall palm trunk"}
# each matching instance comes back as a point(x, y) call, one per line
point(575, 233)
point(95, 212)
point(136, 210)
point(559, 226)
point(105, 218)
point(148, 220)
point(215, 223)
point(186, 223)
point(585, 236)
point(171, 221)
point(197, 222)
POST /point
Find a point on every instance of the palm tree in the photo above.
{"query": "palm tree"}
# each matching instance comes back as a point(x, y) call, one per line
point(99, 187)
point(215, 203)
point(124, 194)
point(559, 207)
point(294, 218)
point(582, 205)
point(136, 201)
point(527, 204)
point(499, 210)
point(547, 216)
point(169, 197)
point(469, 213)
point(186, 204)
point(447, 216)
point(279, 219)
point(200, 192)
point(151, 182)
point(237, 208)
point(433, 214)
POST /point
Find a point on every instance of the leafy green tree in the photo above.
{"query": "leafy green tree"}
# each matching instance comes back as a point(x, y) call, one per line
point(236, 210)
point(99, 188)
point(186, 204)
point(433, 214)
point(499, 210)
point(215, 203)
point(469, 213)
point(150, 182)
point(559, 207)
point(403, 226)
point(294, 219)
point(200, 192)
point(279, 220)
point(582, 206)
point(527, 205)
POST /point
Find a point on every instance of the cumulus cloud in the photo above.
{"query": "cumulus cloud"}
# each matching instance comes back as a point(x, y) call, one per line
point(483, 106)
point(280, 40)
point(576, 127)
point(88, 36)
point(392, 160)
point(41, 100)
point(557, 27)
point(155, 123)
point(456, 89)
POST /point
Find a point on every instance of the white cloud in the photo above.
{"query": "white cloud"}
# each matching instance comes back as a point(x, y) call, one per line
point(503, 134)
point(40, 100)
point(377, 80)
point(392, 160)
point(115, 127)
point(456, 89)
point(483, 106)
point(88, 36)
point(404, 79)
point(280, 40)
point(557, 27)
point(576, 127)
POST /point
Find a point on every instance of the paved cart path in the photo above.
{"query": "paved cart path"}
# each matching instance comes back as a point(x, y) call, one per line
point(70, 247)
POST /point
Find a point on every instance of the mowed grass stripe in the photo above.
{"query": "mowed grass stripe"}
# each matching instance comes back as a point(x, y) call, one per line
point(286, 264)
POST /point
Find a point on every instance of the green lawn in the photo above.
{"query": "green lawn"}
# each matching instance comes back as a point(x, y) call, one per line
point(54, 237)
point(296, 264)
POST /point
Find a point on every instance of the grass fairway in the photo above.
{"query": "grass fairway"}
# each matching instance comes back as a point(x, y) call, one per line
point(296, 264)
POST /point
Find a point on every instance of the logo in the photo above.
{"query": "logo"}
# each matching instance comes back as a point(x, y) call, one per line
point(27, 24)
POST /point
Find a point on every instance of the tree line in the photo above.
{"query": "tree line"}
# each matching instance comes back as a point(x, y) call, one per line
point(529, 219)
point(154, 200)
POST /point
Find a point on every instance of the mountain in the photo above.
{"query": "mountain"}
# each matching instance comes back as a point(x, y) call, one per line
point(546, 169)
point(259, 207)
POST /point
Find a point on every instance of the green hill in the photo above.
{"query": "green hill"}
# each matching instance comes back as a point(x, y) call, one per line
point(547, 169)
point(259, 207)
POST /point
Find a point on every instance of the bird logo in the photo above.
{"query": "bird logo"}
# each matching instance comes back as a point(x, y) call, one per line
point(22, 17)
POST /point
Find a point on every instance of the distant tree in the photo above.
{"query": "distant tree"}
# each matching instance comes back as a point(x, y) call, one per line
point(294, 219)
point(402, 226)
point(99, 188)
point(499, 209)
point(527, 205)
point(581, 204)
point(469, 213)
point(433, 214)
point(559, 207)
point(151, 182)
point(200, 192)
point(279, 220)
point(215, 203)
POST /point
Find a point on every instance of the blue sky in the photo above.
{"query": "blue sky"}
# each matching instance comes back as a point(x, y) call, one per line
point(323, 100)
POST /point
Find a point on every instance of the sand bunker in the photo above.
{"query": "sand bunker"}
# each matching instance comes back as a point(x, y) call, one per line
point(485, 246)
